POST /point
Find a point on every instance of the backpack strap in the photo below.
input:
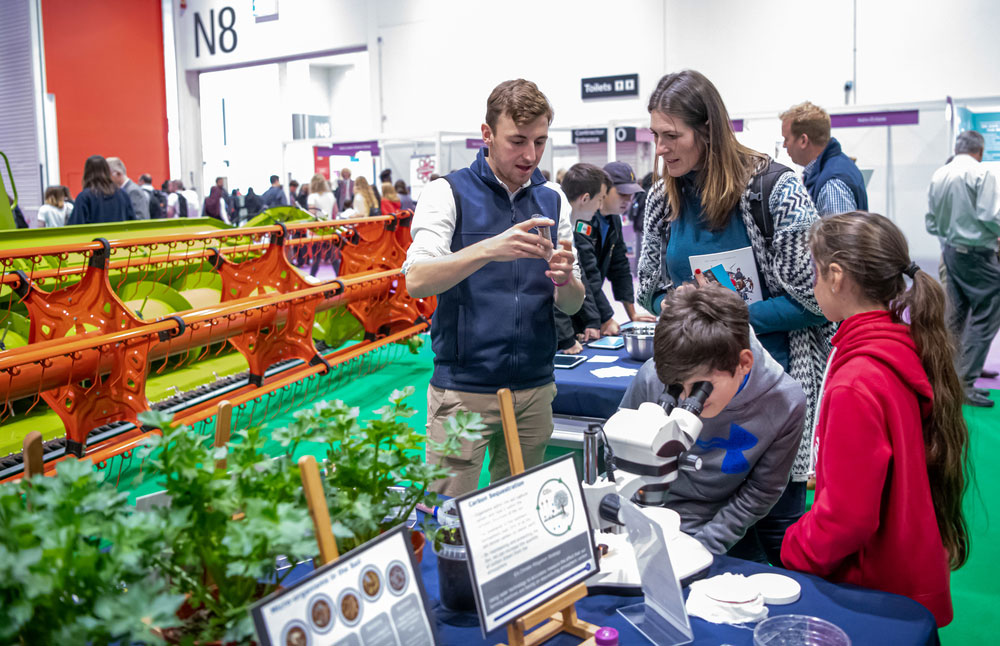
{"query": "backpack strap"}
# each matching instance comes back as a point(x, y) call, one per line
point(760, 198)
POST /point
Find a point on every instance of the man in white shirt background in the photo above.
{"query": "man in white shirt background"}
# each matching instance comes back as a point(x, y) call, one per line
point(964, 213)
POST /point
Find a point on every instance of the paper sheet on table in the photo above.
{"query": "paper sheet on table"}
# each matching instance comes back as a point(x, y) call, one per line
point(602, 358)
point(613, 371)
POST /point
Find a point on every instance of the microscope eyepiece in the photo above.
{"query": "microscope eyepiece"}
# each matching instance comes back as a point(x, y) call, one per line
point(674, 391)
point(700, 392)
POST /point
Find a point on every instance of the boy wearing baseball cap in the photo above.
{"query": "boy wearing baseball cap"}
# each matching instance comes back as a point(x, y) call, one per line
point(603, 240)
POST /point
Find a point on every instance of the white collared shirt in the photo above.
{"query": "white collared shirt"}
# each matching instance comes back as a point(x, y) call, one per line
point(434, 222)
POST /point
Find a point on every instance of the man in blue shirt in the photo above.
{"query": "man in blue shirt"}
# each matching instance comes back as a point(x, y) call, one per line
point(274, 196)
point(831, 177)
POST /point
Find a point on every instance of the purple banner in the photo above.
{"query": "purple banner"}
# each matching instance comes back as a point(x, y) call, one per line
point(737, 125)
point(868, 119)
point(474, 143)
point(348, 149)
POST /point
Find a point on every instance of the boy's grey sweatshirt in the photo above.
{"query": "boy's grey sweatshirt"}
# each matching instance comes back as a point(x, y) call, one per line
point(747, 452)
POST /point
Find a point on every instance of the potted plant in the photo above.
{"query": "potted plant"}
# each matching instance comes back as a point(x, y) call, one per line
point(224, 528)
point(72, 565)
point(376, 474)
point(454, 579)
point(374, 477)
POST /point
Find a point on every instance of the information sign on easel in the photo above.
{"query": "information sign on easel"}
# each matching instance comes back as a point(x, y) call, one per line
point(528, 540)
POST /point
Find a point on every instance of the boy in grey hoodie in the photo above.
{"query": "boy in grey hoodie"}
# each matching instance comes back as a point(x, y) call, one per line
point(752, 420)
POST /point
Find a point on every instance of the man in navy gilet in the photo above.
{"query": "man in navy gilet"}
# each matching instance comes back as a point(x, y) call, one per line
point(832, 179)
point(494, 243)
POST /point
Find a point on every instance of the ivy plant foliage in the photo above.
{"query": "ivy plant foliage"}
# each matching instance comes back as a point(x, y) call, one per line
point(375, 473)
point(72, 563)
point(224, 530)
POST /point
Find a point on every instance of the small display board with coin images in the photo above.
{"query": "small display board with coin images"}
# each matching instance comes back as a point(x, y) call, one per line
point(372, 596)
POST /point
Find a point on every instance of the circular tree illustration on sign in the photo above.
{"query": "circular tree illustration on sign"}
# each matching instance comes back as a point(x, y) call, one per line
point(555, 507)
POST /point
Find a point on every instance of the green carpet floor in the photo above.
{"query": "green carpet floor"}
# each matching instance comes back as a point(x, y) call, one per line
point(975, 588)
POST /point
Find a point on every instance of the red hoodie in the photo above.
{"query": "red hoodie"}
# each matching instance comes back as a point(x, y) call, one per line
point(872, 523)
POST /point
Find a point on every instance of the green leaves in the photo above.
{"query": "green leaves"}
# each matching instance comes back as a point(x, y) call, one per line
point(414, 343)
point(71, 562)
point(206, 543)
point(80, 565)
point(462, 427)
point(376, 472)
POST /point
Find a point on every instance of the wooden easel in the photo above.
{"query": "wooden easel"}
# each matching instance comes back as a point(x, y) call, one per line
point(313, 487)
point(223, 429)
point(559, 614)
point(31, 450)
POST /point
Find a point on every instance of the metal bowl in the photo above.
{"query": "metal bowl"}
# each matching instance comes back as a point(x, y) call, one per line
point(639, 341)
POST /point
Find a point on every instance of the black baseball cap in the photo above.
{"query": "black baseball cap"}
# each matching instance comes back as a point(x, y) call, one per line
point(622, 177)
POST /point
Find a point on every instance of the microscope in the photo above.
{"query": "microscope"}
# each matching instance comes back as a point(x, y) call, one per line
point(644, 451)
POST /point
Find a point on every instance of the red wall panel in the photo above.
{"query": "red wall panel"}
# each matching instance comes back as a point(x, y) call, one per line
point(104, 63)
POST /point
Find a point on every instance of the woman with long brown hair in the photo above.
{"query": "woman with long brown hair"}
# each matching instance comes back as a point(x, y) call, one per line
point(100, 200)
point(717, 205)
point(893, 447)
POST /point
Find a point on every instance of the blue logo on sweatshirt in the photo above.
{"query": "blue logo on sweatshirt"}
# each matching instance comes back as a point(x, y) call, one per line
point(739, 441)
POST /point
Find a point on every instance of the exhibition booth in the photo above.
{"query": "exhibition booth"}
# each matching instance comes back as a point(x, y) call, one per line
point(216, 434)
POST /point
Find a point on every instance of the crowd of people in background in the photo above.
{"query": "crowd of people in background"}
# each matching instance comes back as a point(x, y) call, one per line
point(108, 194)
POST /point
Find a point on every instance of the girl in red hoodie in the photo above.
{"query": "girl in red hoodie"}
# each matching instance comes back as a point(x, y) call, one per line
point(892, 443)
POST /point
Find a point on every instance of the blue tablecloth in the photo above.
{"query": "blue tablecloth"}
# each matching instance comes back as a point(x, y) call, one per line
point(868, 617)
point(582, 394)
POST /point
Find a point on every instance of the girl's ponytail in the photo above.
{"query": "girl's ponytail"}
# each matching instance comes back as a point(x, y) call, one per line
point(946, 438)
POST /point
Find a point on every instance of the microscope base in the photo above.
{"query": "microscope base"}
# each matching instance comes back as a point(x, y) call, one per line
point(620, 572)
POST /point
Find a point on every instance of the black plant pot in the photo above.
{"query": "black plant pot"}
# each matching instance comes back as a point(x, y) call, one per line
point(454, 580)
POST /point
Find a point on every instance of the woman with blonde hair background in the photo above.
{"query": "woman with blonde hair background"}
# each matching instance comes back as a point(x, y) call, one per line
point(321, 201)
point(365, 202)
point(720, 203)
point(390, 199)
point(56, 209)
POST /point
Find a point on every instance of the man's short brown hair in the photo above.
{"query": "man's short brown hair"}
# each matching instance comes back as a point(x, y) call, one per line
point(810, 120)
point(520, 99)
point(700, 329)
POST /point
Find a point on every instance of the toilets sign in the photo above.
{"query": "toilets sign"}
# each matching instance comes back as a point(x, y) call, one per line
point(599, 87)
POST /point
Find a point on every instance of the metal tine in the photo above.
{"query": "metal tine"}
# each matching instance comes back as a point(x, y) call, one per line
point(38, 395)
point(122, 276)
point(253, 411)
point(223, 345)
point(237, 414)
point(121, 463)
point(267, 405)
point(165, 263)
point(8, 409)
